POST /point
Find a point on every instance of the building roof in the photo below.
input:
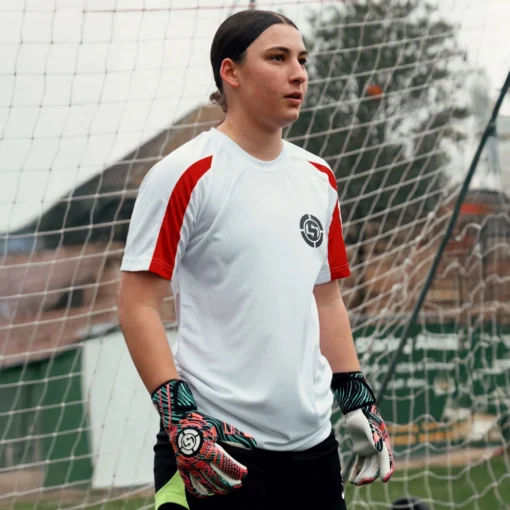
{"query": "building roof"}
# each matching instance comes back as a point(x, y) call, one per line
point(99, 209)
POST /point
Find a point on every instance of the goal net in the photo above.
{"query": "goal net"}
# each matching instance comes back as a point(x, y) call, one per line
point(95, 92)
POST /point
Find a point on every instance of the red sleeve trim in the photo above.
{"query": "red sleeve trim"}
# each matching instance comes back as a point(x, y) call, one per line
point(328, 172)
point(338, 273)
point(337, 254)
point(165, 252)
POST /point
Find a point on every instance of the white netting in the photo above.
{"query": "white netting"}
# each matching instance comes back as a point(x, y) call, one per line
point(93, 93)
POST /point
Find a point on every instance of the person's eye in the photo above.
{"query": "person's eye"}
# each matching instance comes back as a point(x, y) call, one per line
point(278, 58)
point(303, 61)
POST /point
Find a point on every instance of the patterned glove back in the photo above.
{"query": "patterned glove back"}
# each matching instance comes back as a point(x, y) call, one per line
point(205, 467)
point(352, 391)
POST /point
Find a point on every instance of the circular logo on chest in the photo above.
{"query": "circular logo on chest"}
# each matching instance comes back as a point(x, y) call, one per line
point(311, 230)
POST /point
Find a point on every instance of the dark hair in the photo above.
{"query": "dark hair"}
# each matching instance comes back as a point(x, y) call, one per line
point(232, 39)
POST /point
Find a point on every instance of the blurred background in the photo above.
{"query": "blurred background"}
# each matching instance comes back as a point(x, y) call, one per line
point(94, 92)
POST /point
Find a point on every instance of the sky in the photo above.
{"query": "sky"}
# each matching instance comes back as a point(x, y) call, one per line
point(83, 82)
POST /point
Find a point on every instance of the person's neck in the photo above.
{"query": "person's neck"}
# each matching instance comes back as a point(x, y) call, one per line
point(265, 145)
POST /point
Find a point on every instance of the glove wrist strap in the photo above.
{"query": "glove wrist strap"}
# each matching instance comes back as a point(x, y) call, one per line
point(173, 400)
point(352, 391)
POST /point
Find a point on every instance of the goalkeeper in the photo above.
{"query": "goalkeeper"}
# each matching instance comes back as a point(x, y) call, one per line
point(246, 226)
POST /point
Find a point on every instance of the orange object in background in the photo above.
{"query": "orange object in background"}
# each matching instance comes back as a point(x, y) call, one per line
point(374, 90)
point(475, 209)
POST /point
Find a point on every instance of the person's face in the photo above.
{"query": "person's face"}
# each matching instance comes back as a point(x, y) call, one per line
point(272, 71)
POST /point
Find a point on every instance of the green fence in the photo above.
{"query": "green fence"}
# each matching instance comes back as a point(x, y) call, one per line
point(43, 420)
point(451, 386)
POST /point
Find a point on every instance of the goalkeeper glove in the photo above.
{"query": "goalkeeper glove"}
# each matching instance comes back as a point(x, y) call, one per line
point(205, 467)
point(370, 439)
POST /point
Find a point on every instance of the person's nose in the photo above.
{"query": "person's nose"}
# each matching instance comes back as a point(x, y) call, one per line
point(298, 74)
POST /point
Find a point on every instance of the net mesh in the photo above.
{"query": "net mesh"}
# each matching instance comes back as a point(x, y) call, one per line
point(93, 93)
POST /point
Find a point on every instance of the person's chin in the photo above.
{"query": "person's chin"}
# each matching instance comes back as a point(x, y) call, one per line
point(290, 116)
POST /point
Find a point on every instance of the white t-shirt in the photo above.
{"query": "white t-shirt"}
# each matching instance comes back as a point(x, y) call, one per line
point(244, 242)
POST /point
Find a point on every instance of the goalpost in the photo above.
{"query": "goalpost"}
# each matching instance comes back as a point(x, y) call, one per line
point(95, 92)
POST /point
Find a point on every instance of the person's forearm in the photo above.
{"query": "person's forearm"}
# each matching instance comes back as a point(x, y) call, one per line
point(336, 340)
point(148, 345)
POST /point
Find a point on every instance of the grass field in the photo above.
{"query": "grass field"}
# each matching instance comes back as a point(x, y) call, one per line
point(483, 487)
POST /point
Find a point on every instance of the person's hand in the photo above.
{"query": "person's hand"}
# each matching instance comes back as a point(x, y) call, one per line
point(205, 467)
point(368, 432)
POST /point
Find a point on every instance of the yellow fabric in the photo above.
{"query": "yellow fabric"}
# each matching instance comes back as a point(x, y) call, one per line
point(172, 492)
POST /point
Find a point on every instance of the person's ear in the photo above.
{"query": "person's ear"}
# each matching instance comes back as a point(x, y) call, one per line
point(229, 73)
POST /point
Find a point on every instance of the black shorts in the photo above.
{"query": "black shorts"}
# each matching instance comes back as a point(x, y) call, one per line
point(309, 479)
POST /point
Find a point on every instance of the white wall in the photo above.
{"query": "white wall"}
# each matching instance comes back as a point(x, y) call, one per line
point(122, 419)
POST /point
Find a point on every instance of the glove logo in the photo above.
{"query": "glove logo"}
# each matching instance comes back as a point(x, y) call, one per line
point(311, 230)
point(189, 442)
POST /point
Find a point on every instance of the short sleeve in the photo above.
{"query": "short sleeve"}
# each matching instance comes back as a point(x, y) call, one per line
point(163, 217)
point(336, 265)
